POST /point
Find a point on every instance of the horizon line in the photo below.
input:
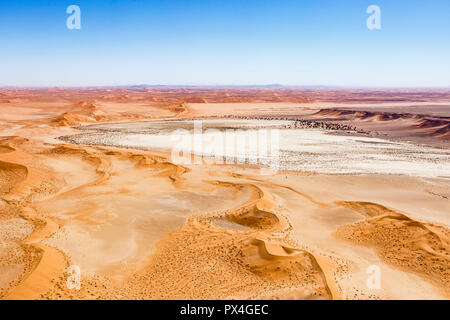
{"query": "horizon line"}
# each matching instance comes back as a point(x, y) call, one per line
point(252, 86)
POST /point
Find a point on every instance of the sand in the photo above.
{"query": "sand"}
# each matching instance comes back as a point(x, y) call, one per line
point(141, 227)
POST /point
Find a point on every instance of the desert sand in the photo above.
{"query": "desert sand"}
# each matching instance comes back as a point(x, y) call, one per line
point(139, 226)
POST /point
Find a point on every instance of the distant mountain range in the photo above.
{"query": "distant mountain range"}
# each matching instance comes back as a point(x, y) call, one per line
point(256, 86)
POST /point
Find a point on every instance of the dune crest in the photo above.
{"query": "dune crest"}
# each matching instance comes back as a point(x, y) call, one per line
point(408, 125)
point(415, 246)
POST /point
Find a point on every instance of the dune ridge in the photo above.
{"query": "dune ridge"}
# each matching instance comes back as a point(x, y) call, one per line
point(418, 124)
point(40, 262)
point(45, 265)
point(262, 256)
point(402, 241)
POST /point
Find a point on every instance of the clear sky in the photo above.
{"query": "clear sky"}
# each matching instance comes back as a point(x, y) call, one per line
point(227, 42)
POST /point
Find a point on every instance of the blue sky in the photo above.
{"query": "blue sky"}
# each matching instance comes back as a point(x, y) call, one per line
point(227, 42)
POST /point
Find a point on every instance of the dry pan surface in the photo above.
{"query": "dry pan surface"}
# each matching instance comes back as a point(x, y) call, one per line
point(315, 150)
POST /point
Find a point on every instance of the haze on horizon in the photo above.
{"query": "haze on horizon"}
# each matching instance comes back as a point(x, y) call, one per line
point(225, 43)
